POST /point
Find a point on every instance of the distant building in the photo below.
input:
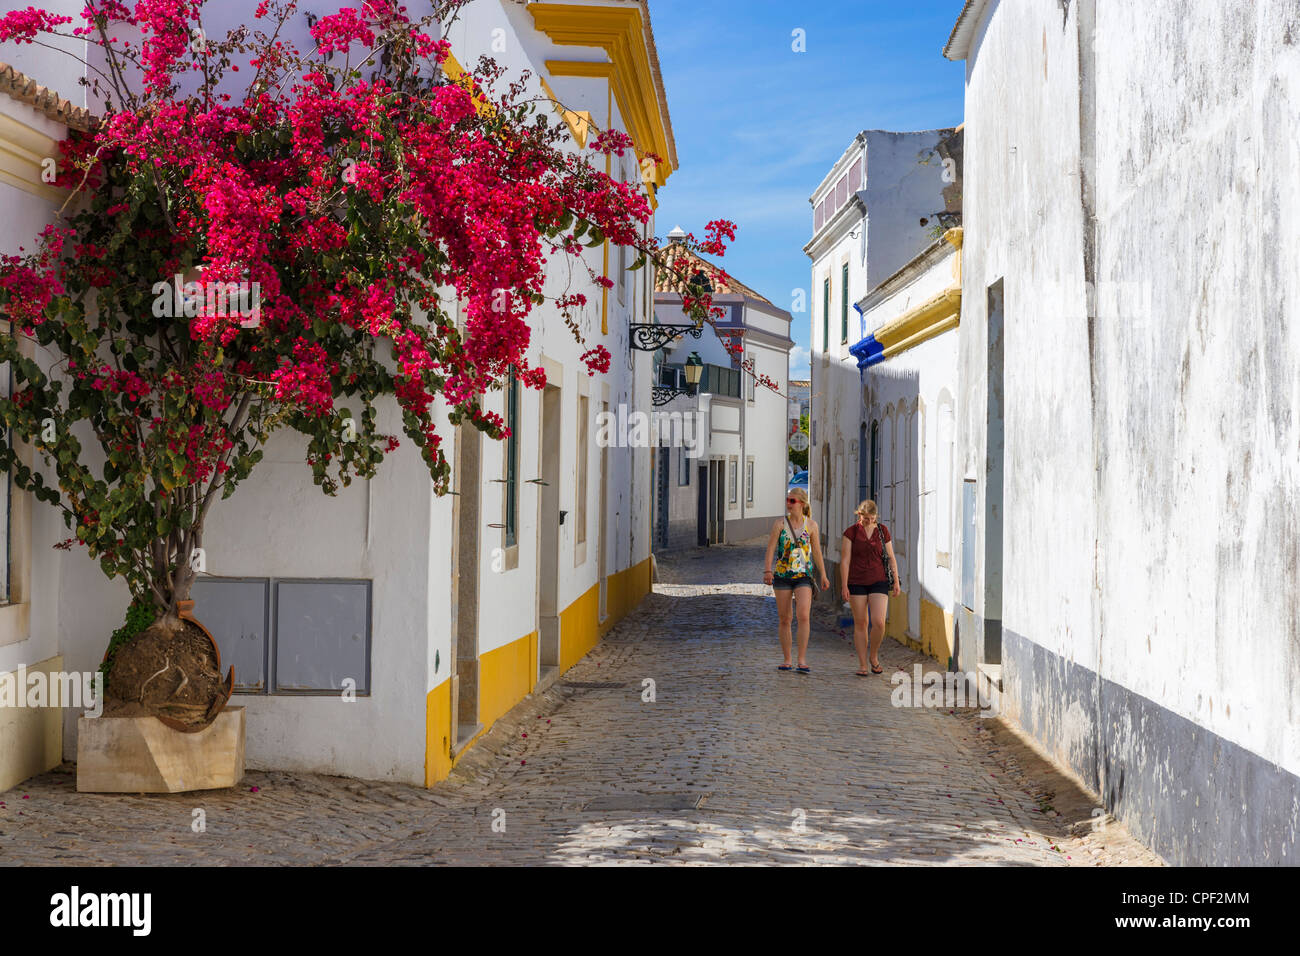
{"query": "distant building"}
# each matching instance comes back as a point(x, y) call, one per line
point(733, 487)
point(872, 213)
point(908, 362)
point(801, 392)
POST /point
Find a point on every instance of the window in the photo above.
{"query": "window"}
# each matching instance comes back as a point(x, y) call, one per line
point(844, 302)
point(886, 499)
point(683, 467)
point(580, 505)
point(944, 490)
point(874, 492)
point(863, 459)
point(906, 459)
point(718, 380)
point(731, 481)
point(512, 462)
point(670, 376)
point(749, 480)
point(826, 315)
point(750, 377)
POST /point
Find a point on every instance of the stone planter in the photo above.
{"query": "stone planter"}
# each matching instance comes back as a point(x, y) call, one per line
point(142, 755)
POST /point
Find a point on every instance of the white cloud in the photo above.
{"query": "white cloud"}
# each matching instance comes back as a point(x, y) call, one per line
point(800, 362)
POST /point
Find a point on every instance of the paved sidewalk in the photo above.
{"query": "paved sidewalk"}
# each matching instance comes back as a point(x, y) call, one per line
point(731, 762)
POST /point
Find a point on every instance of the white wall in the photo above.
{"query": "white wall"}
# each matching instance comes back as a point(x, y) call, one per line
point(392, 530)
point(1151, 481)
point(906, 394)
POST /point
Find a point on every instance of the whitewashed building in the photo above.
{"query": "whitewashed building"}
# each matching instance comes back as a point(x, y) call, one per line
point(868, 223)
point(731, 486)
point(1129, 405)
point(442, 612)
point(908, 364)
point(909, 368)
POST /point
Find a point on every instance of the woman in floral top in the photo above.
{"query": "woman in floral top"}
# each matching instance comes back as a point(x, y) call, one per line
point(796, 545)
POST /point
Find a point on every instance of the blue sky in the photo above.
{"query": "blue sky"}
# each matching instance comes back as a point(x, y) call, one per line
point(758, 125)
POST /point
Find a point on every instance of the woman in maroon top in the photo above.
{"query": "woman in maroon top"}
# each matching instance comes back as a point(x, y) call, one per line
point(864, 583)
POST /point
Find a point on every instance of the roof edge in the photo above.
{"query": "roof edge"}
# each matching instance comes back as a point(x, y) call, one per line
point(963, 31)
point(17, 85)
point(660, 89)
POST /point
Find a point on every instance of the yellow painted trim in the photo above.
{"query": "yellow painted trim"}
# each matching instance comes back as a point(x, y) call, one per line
point(936, 315)
point(22, 149)
point(937, 632)
point(437, 734)
point(508, 674)
point(623, 592)
point(620, 33)
point(33, 736)
point(579, 628)
point(936, 640)
point(458, 74)
point(954, 238)
point(932, 317)
point(928, 332)
point(578, 121)
point(896, 621)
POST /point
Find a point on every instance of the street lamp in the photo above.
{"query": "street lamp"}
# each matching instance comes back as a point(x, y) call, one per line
point(694, 368)
point(662, 394)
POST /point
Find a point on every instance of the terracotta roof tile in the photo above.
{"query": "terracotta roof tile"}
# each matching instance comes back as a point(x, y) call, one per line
point(669, 280)
point(21, 87)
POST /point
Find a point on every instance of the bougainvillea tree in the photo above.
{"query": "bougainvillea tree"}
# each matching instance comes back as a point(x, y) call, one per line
point(259, 238)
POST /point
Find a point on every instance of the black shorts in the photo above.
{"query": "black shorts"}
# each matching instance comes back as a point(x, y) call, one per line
point(789, 584)
point(880, 587)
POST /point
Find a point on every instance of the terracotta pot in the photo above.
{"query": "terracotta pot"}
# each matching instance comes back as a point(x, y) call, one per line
point(185, 610)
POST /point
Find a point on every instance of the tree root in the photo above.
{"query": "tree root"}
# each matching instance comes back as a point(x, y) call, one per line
point(152, 676)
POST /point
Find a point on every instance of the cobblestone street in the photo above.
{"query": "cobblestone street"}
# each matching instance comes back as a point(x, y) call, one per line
point(732, 762)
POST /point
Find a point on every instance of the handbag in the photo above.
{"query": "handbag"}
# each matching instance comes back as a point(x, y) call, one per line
point(793, 539)
point(884, 559)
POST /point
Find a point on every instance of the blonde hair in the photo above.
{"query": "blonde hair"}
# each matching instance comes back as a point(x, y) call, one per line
point(867, 507)
point(803, 499)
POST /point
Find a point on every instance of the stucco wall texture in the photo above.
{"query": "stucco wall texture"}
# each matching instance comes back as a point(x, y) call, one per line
point(1131, 174)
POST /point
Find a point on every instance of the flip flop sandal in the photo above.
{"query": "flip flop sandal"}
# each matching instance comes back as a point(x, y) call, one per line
point(803, 670)
point(877, 670)
point(863, 673)
point(784, 667)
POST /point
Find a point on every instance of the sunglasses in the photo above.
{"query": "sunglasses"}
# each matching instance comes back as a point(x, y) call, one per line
point(793, 501)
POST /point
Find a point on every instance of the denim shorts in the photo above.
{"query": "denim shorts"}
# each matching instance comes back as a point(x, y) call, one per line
point(789, 584)
point(880, 587)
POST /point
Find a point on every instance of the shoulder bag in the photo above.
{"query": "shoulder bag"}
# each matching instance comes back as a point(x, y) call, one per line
point(884, 559)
